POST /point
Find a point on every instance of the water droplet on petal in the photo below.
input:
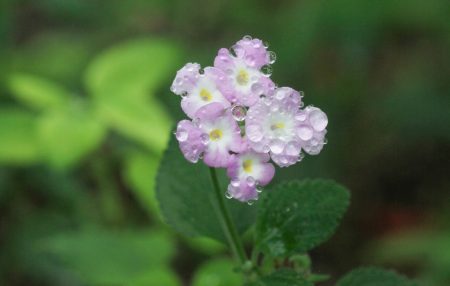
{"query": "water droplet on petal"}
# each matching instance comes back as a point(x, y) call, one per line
point(257, 88)
point(276, 146)
point(292, 148)
point(181, 134)
point(305, 132)
point(318, 120)
point(238, 112)
point(250, 60)
point(272, 57)
point(247, 38)
point(250, 202)
point(259, 189)
point(235, 183)
point(251, 181)
point(205, 138)
point(300, 116)
point(266, 70)
point(254, 133)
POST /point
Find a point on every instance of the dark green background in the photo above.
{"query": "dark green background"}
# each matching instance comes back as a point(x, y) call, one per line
point(379, 69)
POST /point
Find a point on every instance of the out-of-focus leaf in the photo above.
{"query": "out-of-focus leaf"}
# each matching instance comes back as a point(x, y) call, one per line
point(143, 121)
point(140, 175)
point(38, 92)
point(59, 56)
point(431, 249)
point(218, 272)
point(18, 140)
point(374, 277)
point(296, 216)
point(131, 69)
point(282, 277)
point(187, 200)
point(205, 245)
point(156, 277)
point(69, 134)
point(112, 258)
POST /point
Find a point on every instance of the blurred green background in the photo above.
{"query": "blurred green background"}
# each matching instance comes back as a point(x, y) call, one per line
point(85, 112)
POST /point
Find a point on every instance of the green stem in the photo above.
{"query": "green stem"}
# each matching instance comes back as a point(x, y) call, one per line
point(227, 223)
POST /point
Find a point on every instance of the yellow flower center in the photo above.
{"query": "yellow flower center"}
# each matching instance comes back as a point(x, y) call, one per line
point(242, 77)
point(279, 125)
point(215, 135)
point(205, 95)
point(247, 165)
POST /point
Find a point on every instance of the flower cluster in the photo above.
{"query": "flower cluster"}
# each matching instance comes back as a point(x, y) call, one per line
point(240, 120)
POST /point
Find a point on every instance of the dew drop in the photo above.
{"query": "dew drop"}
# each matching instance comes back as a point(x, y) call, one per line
point(251, 181)
point(181, 134)
point(300, 116)
point(292, 148)
point(318, 120)
point(259, 189)
point(276, 146)
point(305, 132)
point(257, 88)
point(247, 38)
point(254, 133)
point(205, 138)
point(266, 70)
point(272, 57)
point(250, 202)
point(238, 112)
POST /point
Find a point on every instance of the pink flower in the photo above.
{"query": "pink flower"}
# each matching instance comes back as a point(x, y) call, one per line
point(213, 135)
point(248, 171)
point(278, 126)
point(198, 89)
point(244, 81)
point(236, 94)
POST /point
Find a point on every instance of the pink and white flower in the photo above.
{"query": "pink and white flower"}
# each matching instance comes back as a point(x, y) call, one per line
point(213, 135)
point(244, 81)
point(198, 89)
point(278, 126)
point(248, 171)
point(236, 94)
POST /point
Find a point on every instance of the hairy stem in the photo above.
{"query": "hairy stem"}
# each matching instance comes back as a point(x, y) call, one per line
point(227, 223)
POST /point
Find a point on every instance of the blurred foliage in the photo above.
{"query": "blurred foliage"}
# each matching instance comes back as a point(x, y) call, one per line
point(85, 113)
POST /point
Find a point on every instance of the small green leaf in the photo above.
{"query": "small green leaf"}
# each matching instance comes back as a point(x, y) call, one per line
point(38, 92)
point(187, 200)
point(155, 277)
point(297, 216)
point(282, 277)
point(146, 122)
point(140, 175)
point(111, 258)
point(217, 272)
point(19, 141)
point(374, 277)
point(68, 135)
point(131, 69)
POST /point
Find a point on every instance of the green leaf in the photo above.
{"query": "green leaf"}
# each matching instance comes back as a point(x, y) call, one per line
point(18, 143)
point(374, 277)
point(140, 175)
point(296, 216)
point(112, 258)
point(155, 277)
point(130, 69)
point(282, 277)
point(66, 136)
point(37, 92)
point(186, 197)
point(218, 272)
point(146, 122)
